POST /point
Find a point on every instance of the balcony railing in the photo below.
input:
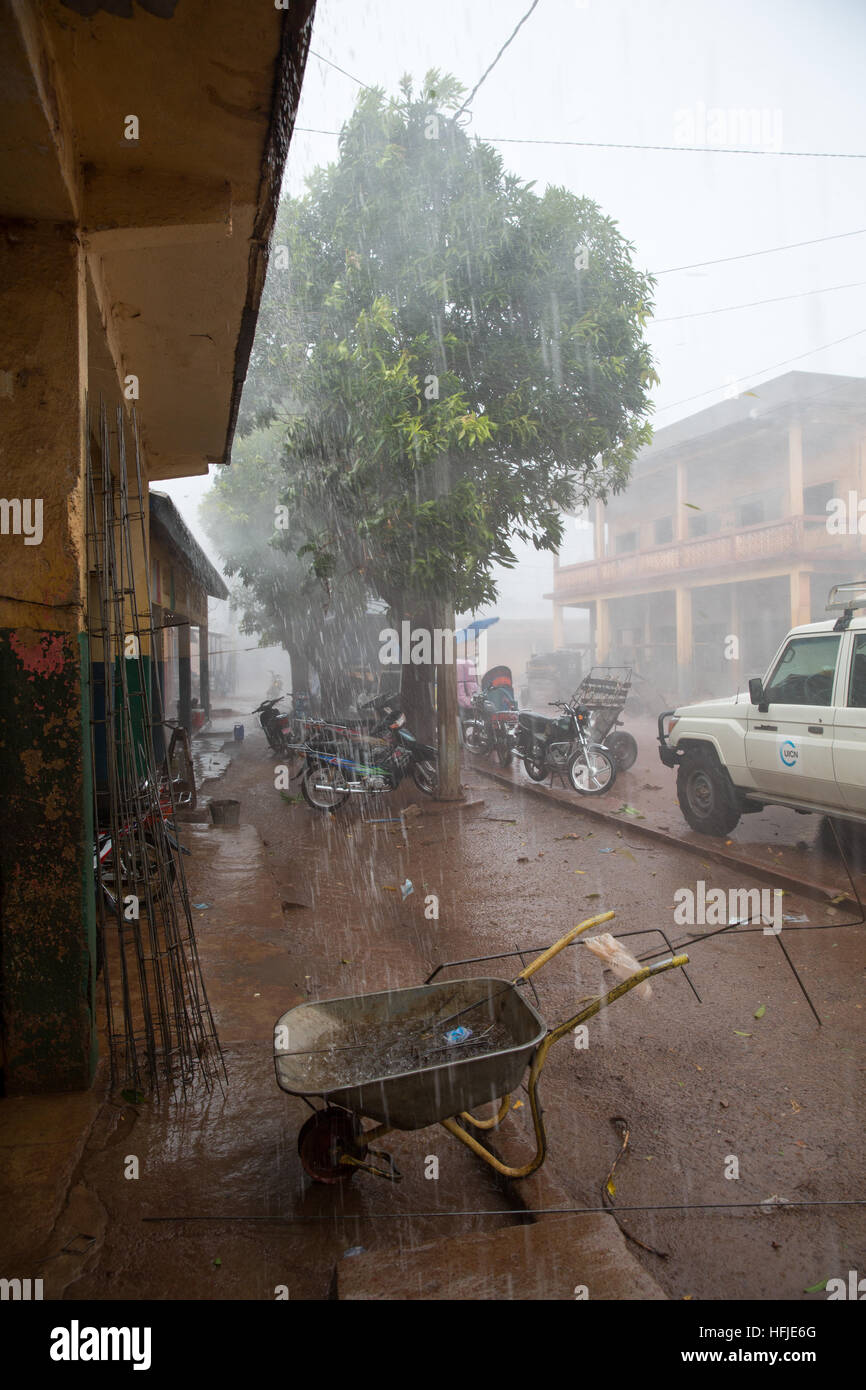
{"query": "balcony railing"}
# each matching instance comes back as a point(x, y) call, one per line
point(796, 538)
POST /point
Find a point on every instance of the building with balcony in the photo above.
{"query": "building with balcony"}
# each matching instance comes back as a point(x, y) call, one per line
point(735, 524)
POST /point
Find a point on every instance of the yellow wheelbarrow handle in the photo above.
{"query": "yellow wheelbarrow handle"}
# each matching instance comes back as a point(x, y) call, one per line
point(563, 941)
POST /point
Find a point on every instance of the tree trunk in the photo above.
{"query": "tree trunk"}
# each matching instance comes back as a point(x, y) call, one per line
point(416, 684)
point(300, 671)
point(448, 712)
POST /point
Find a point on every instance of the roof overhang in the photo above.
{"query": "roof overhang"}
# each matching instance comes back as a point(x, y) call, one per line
point(176, 223)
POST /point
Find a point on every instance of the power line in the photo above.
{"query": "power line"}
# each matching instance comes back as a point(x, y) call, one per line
point(486, 74)
point(350, 75)
point(746, 255)
point(685, 149)
point(753, 303)
point(623, 145)
point(758, 370)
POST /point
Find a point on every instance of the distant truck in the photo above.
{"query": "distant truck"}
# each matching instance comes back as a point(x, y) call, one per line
point(553, 676)
point(797, 738)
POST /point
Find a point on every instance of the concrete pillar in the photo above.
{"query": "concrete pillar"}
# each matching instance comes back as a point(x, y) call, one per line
point(184, 703)
point(602, 631)
point(598, 532)
point(736, 662)
point(795, 470)
point(801, 597)
point(47, 927)
point(558, 640)
point(685, 643)
point(203, 671)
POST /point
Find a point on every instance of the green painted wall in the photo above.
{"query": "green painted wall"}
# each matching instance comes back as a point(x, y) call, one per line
point(47, 926)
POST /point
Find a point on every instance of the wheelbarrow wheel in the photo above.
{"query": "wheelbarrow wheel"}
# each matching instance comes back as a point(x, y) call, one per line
point(623, 748)
point(325, 1136)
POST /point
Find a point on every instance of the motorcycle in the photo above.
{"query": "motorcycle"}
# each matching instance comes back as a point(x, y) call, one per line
point(494, 717)
point(343, 762)
point(277, 726)
point(561, 743)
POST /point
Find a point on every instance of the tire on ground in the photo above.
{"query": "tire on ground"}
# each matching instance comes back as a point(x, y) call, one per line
point(705, 793)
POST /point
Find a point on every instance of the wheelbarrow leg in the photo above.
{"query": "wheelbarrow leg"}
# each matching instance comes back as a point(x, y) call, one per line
point(494, 1121)
point(601, 1002)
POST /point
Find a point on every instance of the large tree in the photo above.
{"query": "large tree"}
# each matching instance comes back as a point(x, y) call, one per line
point(455, 360)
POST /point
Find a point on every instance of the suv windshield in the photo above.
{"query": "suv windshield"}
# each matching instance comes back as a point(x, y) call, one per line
point(804, 672)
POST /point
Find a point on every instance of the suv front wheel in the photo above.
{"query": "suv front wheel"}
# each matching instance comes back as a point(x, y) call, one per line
point(706, 797)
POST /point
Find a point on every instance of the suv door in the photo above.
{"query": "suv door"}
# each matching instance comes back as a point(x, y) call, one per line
point(849, 743)
point(789, 749)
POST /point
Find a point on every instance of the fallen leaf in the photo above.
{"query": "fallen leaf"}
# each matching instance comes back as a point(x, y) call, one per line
point(816, 1288)
point(796, 1107)
point(518, 1105)
point(741, 1035)
point(580, 871)
point(611, 1187)
point(760, 1011)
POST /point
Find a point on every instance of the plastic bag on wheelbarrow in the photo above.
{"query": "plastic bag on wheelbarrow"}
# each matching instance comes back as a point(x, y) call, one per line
point(617, 959)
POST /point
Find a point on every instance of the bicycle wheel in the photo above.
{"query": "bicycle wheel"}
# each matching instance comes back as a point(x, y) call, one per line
point(592, 771)
point(324, 788)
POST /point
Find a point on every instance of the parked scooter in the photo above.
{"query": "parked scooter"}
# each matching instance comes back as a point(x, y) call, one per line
point(277, 726)
point(364, 763)
point(560, 743)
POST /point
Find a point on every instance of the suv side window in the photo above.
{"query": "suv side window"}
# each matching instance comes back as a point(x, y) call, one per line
point(857, 683)
point(804, 672)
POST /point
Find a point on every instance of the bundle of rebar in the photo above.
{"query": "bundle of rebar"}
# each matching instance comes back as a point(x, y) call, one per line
point(159, 1022)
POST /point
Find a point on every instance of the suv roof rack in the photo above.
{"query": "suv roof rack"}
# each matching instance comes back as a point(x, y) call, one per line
point(845, 599)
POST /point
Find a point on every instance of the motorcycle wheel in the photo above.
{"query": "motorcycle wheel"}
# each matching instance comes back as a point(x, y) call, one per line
point(536, 771)
point(425, 775)
point(623, 749)
point(592, 771)
point(324, 788)
point(477, 738)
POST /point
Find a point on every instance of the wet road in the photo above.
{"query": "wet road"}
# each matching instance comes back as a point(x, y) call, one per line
point(700, 1084)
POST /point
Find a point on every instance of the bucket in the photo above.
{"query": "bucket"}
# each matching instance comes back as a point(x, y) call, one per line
point(226, 813)
point(239, 733)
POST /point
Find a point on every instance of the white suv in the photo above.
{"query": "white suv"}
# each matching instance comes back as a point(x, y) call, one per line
point(797, 738)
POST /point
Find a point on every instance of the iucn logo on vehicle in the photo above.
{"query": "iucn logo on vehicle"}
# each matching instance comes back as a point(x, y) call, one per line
point(789, 753)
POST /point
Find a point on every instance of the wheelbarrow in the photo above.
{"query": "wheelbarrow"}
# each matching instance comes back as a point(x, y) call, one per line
point(432, 1054)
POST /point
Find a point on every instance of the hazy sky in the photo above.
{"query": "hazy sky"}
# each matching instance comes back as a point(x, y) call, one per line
point(653, 72)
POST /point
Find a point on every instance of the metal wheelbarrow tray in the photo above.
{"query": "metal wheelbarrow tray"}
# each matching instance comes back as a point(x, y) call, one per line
point(324, 1042)
point(433, 1053)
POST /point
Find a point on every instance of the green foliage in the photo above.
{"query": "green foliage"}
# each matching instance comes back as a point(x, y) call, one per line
point(442, 374)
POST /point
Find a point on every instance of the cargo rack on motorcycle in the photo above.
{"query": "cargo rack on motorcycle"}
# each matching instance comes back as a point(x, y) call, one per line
point(603, 692)
point(604, 687)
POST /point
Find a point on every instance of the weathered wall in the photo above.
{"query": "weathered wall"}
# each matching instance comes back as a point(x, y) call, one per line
point(46, 894)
